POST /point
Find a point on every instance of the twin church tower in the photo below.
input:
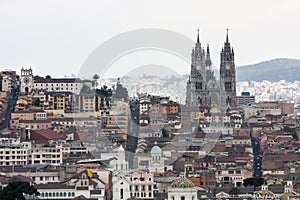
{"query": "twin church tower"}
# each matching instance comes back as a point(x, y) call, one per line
point(203, 89)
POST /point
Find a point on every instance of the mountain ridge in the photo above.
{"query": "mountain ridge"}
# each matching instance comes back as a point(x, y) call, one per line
point(273, 70)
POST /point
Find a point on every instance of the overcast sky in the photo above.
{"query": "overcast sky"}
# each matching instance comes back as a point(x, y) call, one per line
point(55, 37)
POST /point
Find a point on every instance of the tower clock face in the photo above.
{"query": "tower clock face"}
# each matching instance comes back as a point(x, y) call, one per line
point(26, 80)
point(227, 66)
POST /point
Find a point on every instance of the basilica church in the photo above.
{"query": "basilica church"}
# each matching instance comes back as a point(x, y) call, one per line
point(204, 90)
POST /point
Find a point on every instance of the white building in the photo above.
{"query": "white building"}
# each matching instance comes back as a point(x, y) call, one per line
point(84, 184)
point(142, 185)
point(46, 155)
point(121, 185)
point(153, 162)
point(182, 189)
point(119, 162)
point(13, 154)
point(7, 83)
point(230, 175)
point(30, 83)
point(156, 162)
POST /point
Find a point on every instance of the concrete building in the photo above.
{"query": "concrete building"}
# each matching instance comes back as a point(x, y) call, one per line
point(13, 154)
point(245, 99)
point(46, 155)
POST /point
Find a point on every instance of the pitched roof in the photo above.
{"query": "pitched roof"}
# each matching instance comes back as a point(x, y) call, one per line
point(47, 134)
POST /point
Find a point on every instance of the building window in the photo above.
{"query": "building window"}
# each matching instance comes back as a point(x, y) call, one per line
point(198, 85)
point(227, 85)
point(121, 194)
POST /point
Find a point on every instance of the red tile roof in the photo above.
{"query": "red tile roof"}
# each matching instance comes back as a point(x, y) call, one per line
point(47, 134)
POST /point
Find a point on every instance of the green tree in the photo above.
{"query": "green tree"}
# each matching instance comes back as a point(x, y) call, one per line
point(16, 190)
point(104, 91)
point(254, 181)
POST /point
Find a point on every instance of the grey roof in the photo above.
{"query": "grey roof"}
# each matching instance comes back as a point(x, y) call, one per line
point(276, 189)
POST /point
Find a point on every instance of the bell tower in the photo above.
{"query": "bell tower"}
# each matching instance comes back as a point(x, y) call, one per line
point(228, 74)
point(26, 81)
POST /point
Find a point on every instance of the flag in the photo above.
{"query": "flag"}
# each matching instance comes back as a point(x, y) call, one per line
point(89, 173)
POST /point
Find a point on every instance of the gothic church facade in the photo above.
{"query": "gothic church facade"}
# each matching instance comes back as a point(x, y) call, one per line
point(203, 90)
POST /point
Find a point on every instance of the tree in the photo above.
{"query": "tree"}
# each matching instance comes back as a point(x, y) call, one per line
point(104, 91)
point(234, 192)
point(121, 92)
point(254, 181)
point(16, 190)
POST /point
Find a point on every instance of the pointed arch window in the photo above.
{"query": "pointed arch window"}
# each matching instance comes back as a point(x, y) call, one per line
point(198, 85)
point(227, 85)
point(228, 100)
point(200, 100)
point(228, 73)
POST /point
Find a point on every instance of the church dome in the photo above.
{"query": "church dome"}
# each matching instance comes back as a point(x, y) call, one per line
point(182, 183)
point(156, 149)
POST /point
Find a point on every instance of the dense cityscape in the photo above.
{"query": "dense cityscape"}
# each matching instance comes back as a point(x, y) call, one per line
point(181, 137)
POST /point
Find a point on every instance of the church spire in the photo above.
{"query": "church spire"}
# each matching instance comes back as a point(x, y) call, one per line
point(207, 60)
point(227, 40)
point(198, 40)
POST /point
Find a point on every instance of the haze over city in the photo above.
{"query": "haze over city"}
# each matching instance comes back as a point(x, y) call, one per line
point(150, 100)
point(60, 35)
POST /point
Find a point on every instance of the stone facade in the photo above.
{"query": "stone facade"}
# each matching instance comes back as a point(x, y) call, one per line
point(203, 88)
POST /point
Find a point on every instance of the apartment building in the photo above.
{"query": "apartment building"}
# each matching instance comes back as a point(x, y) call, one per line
point(45, 155)
point(7, 80)
point(14, 154)
point(231, 176)
point(56, 101)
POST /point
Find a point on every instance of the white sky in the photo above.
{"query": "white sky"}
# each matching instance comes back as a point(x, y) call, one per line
point(55, 37)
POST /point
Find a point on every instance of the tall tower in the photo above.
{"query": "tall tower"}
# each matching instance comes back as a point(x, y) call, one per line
point(227, 74)
point(196, 83)
point(26, 80)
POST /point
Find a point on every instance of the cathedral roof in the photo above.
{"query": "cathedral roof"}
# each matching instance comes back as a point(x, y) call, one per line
point(156, 149)
point(182, 183)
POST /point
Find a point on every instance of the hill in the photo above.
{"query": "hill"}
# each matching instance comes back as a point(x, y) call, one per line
point(272, 70)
